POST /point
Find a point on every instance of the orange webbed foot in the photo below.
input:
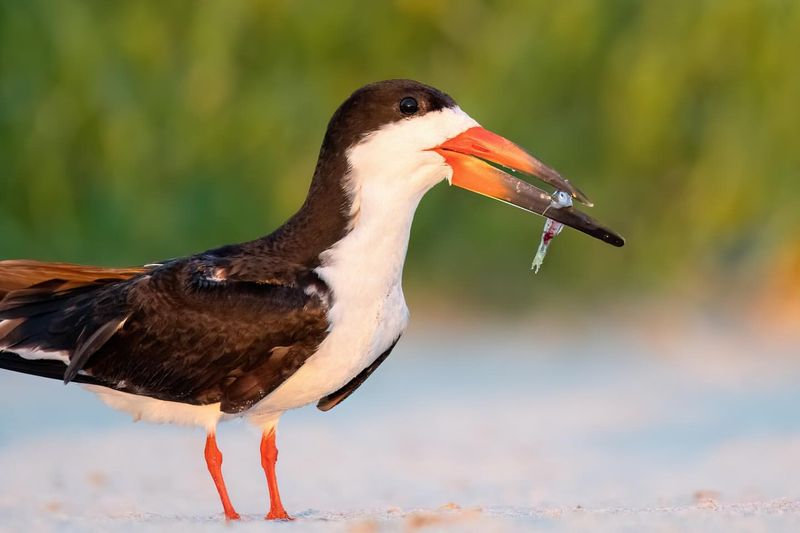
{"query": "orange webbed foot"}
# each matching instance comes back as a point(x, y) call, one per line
point(279, 514)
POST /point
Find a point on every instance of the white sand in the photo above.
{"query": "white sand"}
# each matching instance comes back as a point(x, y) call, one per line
point(455, 431)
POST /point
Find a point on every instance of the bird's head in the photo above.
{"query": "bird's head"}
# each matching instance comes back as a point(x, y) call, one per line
point(401, 137)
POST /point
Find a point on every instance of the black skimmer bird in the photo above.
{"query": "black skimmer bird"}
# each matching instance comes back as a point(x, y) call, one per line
point(302, 315)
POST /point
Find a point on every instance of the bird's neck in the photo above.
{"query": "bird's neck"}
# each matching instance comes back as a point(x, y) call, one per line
point(373, 251)
point(322, 220)
point(358, 212)
point(315, 227)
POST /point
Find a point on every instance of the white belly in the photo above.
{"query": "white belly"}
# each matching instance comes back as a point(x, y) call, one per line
point(160, 411)
point(356, 339)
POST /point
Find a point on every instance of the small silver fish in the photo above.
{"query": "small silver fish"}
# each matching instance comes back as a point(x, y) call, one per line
point(551, 229)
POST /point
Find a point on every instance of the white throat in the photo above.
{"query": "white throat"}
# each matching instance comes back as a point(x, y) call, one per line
point(390, 170)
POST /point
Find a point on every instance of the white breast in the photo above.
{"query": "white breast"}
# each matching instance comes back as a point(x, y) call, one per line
point(364, 272)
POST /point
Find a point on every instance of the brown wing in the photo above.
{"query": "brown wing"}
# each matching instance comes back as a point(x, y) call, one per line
point(203, 329)
point(53, 308)
point(197, 334)
point(24, 274)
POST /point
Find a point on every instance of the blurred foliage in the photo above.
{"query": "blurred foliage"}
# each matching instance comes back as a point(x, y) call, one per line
point(135, 131)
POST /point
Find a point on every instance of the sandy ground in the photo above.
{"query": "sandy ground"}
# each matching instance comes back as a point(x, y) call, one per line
point(458, 430)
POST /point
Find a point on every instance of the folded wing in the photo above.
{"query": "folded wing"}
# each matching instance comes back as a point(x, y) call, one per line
point(198, 330)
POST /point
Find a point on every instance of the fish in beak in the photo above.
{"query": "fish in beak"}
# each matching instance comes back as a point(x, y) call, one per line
point(470, 153)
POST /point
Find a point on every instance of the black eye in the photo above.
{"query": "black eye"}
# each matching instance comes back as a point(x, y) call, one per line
point(408, 106)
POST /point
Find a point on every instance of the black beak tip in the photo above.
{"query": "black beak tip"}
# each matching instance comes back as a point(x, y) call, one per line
point(614, 239)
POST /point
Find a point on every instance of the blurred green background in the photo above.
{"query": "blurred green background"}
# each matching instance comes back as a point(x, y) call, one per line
point(140, 130)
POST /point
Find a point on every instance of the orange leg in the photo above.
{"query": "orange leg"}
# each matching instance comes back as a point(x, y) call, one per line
point(214, 462)
point(269, 456)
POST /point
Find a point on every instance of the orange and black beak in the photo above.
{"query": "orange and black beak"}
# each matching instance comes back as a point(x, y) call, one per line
point(468, 153)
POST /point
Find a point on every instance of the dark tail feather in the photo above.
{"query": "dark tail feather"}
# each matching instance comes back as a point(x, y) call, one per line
point(46, 368)
point(59, 307)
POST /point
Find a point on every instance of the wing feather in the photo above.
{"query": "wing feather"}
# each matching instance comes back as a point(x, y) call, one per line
point(90, 345)
point(24, 274)
point(198, 330)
